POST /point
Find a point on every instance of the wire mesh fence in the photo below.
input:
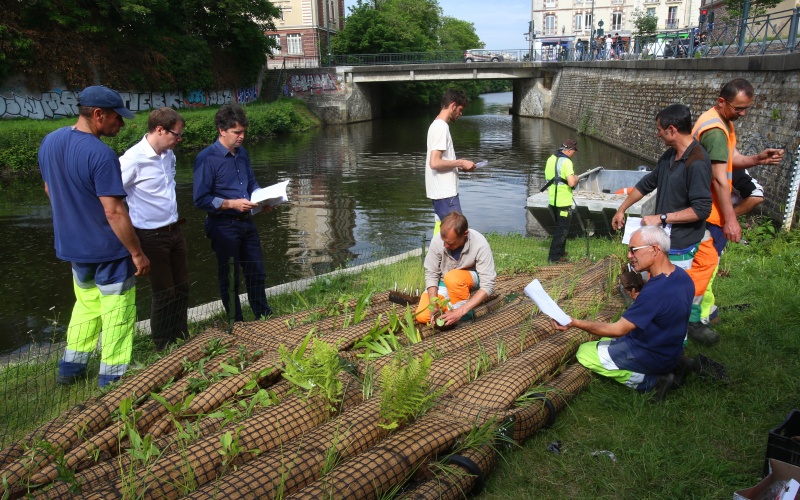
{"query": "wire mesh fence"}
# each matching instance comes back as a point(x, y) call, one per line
point(28, 375)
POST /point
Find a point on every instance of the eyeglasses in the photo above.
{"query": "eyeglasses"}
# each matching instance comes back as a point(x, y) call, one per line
point(738, 109)
point(179, 136)
point(633, 249)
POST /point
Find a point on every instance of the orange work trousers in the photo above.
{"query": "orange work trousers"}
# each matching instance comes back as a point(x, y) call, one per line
point(705, 262)
point(456, 286)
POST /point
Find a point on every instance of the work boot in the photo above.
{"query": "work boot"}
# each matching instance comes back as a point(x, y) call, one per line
point(663, 386)
point(702, 334)
point(69, 372)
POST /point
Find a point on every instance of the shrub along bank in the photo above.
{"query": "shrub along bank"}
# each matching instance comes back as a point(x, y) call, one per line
point(20, 138)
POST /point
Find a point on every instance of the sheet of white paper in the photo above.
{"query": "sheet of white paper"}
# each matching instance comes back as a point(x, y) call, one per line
point(482, 163)
point(547, 305)
point(634, 223)
point(631, 225)
point(269, 196)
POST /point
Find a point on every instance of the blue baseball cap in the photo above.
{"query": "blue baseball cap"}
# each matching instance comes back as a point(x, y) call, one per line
point(98, 96)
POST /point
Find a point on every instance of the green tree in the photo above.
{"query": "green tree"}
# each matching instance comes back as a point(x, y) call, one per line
point(644, 23)
point(735, 8)
point(152, 44)
point(455, 34)
point(389, 26)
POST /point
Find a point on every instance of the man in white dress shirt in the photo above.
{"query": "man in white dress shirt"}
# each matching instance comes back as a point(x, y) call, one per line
point(148, 176)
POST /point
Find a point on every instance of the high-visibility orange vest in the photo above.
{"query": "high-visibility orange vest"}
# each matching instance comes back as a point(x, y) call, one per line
point(707, 121)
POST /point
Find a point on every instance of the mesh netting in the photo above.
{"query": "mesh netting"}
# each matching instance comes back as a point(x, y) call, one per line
point(486, 369)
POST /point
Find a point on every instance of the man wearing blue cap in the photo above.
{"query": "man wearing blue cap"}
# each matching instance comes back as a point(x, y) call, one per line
point(94, 233)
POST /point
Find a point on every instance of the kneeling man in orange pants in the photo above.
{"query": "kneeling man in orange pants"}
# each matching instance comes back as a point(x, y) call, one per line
point(459, 261)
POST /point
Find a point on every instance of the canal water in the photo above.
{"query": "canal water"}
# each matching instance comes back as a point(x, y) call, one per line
point(357, 193)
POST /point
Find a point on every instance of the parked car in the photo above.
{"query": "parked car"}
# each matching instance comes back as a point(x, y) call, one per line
point(482, 55)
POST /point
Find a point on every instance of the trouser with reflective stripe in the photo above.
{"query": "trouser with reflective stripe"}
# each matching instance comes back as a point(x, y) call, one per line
point(105, 296)
point(456, 286)
point(596, 357)
point(720, 242)
point(703, 267)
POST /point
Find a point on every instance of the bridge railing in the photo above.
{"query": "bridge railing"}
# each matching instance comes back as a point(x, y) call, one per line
point(444, 56)
point(774, 33)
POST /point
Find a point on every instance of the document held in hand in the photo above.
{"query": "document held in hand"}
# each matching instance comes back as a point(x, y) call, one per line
point(269, 196)
point(547, 305)
point(632, 224)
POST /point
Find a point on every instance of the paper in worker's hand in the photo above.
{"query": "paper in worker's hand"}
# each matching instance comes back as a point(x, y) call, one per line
point(546, 304)
point(632, 224)
point(482, 163)
point(269, 196)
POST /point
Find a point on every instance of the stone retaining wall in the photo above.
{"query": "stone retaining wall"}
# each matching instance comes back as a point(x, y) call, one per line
point(617, 104)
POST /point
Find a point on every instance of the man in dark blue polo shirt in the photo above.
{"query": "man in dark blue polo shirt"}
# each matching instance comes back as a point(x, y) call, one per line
point(223, 183)
point(645, 345)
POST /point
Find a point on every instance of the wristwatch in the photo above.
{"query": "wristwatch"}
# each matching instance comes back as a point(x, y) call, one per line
point(663, 220)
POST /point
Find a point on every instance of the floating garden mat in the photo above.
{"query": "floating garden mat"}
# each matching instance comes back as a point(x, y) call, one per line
point(355, 402)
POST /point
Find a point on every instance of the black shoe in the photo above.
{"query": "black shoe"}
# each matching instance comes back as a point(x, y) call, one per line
point(70, 379)
point(702, 334)
point(663, 386)
point(685, 366)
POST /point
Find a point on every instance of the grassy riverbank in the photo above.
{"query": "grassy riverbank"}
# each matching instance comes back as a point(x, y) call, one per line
point(20, 138)
point(705, 441)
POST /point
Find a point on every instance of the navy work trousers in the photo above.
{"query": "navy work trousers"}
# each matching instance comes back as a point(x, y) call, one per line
point(562, 216)
point(237, 238)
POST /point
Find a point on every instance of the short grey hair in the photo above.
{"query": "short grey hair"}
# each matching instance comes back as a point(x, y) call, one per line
point(654, 235)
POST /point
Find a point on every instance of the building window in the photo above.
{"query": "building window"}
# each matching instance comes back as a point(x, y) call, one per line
point(616, 21)
point(280, 13)
point(294, 44)
point(578, 22)
point(277, 49)
point(651, 11)
point(672, 18)
point(550, 25)
point(587, 19)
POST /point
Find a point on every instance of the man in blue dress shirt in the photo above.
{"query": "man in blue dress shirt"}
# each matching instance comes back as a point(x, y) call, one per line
point(223, 183)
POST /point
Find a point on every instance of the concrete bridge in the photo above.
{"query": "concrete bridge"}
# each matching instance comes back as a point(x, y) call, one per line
point(365, 82)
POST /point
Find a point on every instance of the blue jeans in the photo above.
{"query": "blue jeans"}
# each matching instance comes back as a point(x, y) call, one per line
point(237, 238)
point(444, 206)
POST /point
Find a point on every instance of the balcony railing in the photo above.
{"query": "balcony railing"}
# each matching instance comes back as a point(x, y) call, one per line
point(671, 24)
point(617, 2)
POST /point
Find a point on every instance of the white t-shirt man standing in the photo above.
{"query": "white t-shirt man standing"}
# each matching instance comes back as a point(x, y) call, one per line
point(441, 165)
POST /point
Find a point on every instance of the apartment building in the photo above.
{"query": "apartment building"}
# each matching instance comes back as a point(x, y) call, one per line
point(303, 31)
point(563, 22)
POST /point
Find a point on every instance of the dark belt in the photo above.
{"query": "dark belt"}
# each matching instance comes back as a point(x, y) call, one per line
point(243, 216)
point(168, 227)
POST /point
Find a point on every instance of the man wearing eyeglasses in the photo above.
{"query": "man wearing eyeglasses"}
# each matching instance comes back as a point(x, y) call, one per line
point(682, 181)
point(715, 131)
point(148, 175)
point(93, 232)
point(646, 343)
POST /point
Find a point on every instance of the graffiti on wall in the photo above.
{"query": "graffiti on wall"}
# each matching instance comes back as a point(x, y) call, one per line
point(314, 84)
point(60, 103)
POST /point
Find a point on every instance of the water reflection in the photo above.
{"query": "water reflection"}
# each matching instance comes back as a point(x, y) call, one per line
point(357, 192)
